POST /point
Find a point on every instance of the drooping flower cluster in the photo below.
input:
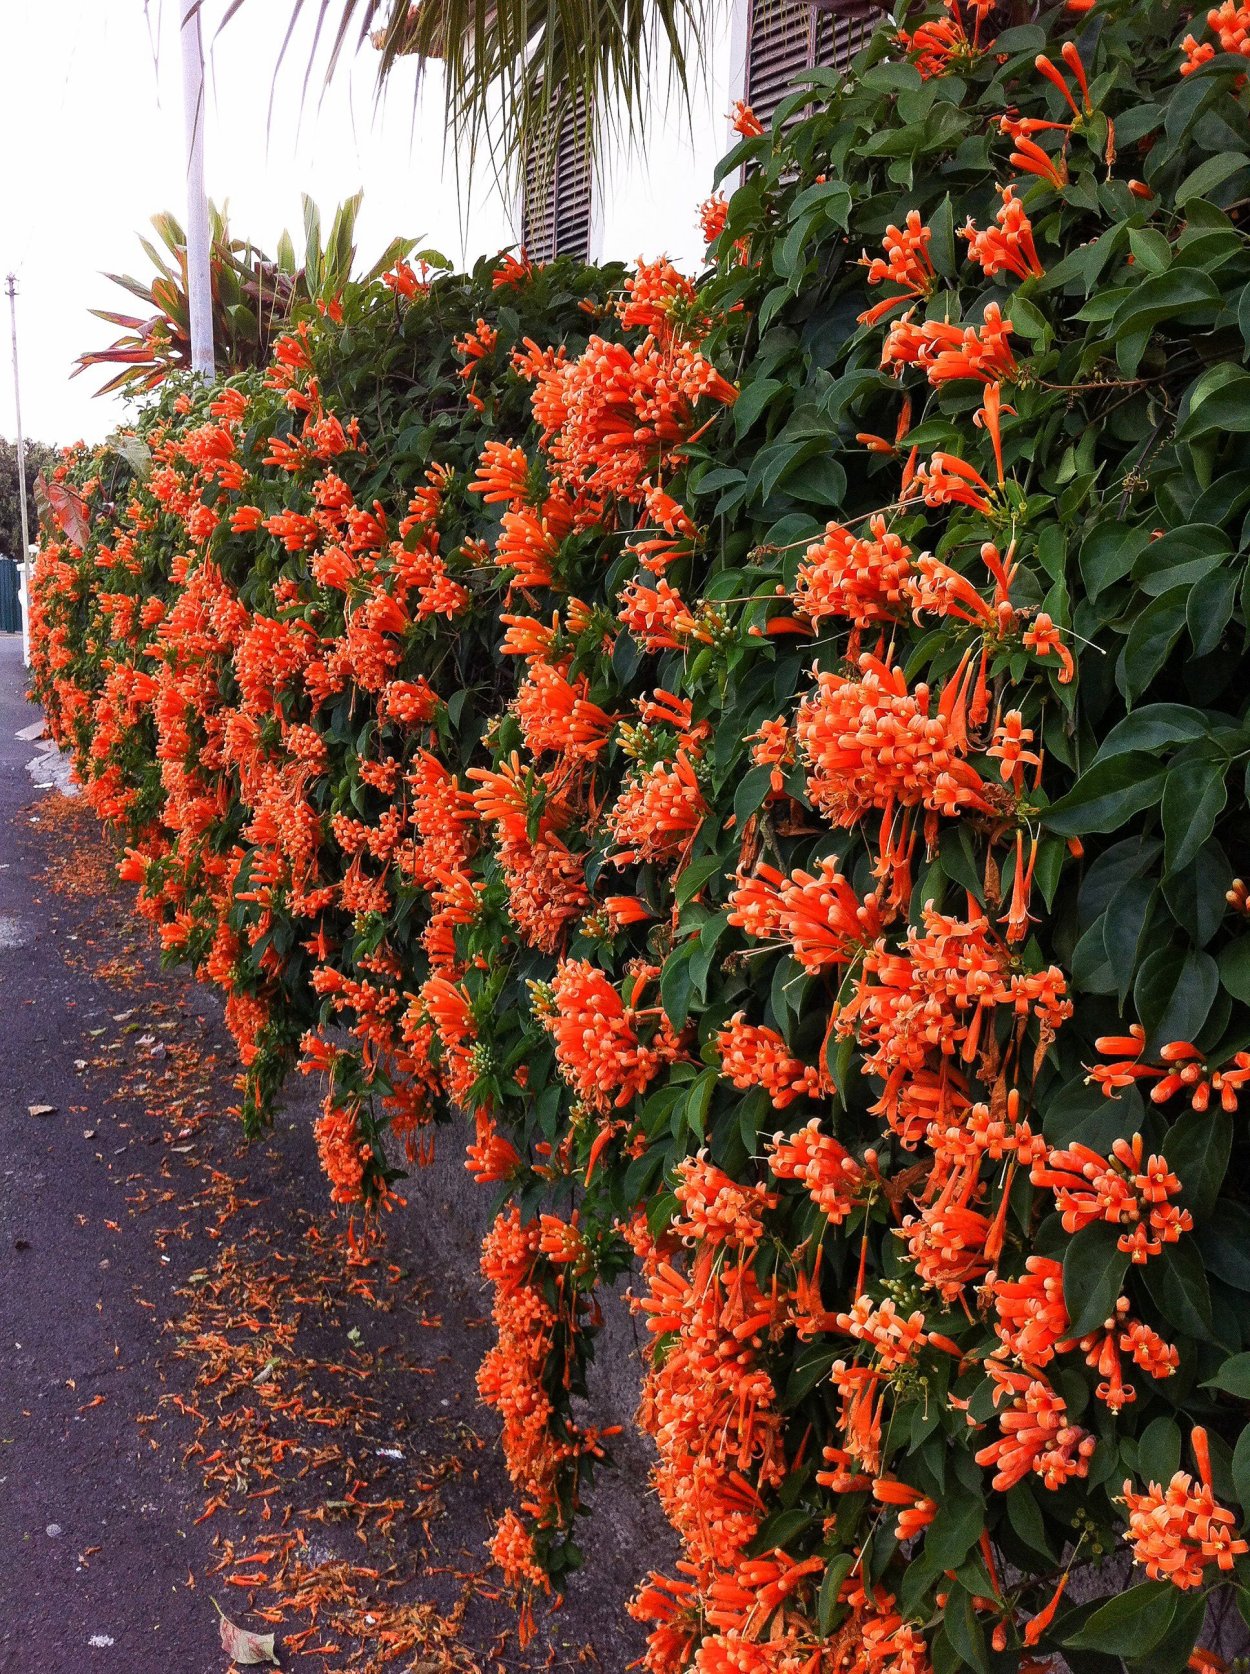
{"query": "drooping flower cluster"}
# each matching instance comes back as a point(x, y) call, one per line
point(468, 747)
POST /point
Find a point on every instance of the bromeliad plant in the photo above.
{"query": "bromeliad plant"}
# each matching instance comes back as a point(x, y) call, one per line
point(770, 754)
point(253, 295)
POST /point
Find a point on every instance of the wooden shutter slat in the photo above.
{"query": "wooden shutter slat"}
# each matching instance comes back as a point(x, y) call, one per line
point(556, 209)
point(786, 37)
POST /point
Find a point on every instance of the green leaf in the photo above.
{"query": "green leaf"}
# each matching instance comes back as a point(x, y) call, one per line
point(1173, 994)
point(1027, 1522)
point(1079, 1113)
point(1197, 895)
point(698, 1100)
point(1124, 925)
point(1223, 410)
point(836, 1572)
point(753, 399)
point(1209, 609)
point(677, 984)
point(751, 792)
point(1093, 1276)
point(1234, 963)
point(1150, 640)
point(1193, 799)
point(955, 1530)
point(1159, 1451)
point(1198, 1146)
point(964, 1630)
point(1107, 796)
point(1180, 557)
point(695, 875)
point(1180, 293)
point(1224, 1241)
point(1171, 1654)
point(1233, 1377)
point(1135, 1620)
point(1150, 248)
point(1152, 726)
point(1178, 1284)
point(1210, 173)
point(1241, 1469)
point(1108, 554)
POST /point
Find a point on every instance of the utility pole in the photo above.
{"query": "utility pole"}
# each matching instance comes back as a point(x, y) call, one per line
point(10, 286)
point(199, 276)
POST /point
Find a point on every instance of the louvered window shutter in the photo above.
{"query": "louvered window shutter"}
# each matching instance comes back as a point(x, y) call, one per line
point(786, 37)
point(843, 28)
point(556, 193)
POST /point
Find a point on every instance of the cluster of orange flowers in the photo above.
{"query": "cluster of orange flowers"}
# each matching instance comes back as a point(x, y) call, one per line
point(309, 831)
point(1230, 24)
point(1178, 1531)
point(512, 1380)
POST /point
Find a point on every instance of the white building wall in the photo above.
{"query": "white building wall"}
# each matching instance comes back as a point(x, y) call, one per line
point(649, 195)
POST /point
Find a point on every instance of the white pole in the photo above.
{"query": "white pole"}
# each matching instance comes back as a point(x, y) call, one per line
point(199, 281)
point(10, 286)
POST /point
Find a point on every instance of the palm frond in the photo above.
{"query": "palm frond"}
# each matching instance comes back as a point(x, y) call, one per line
point(516, 68)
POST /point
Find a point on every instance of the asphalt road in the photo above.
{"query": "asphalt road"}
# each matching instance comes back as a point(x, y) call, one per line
point(69, 1327)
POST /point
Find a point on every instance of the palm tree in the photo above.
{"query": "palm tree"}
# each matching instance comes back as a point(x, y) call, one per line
point(515, 67)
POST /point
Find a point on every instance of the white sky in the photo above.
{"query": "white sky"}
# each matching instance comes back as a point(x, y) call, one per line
point(91, 146)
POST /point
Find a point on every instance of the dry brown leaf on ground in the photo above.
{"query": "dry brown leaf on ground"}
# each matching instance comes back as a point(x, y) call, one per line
point(246, 1648)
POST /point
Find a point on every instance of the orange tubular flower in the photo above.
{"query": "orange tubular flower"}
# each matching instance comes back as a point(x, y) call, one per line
point(1036, 1434)
point(1008, 249)
point(916, 1510)
point(1032, 1315)
point(512, 270)
point(819, 915)
point(713, 213)
point(1072, 59)
point(906, 263)
point(753, 1593)
point(1044, 639)
point(1010, 749)
point(659, 617)
point(860, 579)
point(946, 351)
point(1029, 158)
point(490, 1157)
point(245, 520)
point(1125, 1190)
point(988, 417)
point(754, 1056)
point(658, 812)
point(1183, 1071)
point(745, 121)
point(894, 1341)
point(502, 474)
point(773, 746)
point(942, 46)
point(556, 714)
point(716, 1209)
point(1125, 1051)
point(597, 1050)
point(872, 743)
point(404, 280)
point(948, 480)
point(1178, 1532)
point(827, 1171)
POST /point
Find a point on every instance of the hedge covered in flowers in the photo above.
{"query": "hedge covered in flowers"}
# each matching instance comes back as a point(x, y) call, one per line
point(770, 757)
